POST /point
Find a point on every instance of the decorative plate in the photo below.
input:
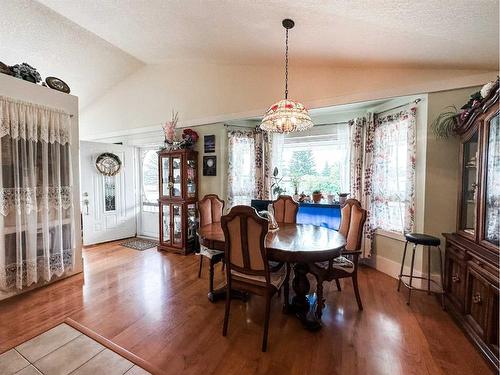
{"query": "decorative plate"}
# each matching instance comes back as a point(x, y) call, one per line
point(57, 84)
point(5, 69)
point(108, 164)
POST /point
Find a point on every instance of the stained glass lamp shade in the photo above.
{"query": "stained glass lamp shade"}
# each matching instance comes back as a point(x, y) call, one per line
point(286, 116)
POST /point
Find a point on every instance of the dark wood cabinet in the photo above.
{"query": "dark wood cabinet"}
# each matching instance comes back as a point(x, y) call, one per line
point(472, 253)
point(178, 179)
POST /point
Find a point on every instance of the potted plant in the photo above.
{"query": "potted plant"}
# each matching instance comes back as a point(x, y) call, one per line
point(317, 196)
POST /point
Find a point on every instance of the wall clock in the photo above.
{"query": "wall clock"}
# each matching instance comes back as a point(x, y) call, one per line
point(108, 164)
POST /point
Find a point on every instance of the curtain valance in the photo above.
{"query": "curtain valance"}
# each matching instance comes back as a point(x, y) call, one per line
point(33, 122)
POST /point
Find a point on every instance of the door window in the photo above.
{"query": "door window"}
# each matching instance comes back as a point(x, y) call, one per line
point(150, 181)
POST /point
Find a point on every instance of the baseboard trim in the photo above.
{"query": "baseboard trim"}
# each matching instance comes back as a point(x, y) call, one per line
point(392, 268)
point(115, 348)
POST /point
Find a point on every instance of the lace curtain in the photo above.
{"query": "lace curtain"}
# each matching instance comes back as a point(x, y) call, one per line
point(36, 211)
point(249, 166)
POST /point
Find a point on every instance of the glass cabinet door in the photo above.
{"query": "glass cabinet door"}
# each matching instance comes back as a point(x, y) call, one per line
point(469, 185)
point(191, 177)
point(492, 190)
point(165, 217)
point(177, 176)
point(177, 224)
point(165, 176)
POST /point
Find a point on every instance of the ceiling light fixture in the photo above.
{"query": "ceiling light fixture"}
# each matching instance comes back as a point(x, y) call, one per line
point(286, 116)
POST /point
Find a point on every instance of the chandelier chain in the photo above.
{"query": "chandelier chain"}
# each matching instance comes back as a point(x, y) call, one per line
point(286, 66)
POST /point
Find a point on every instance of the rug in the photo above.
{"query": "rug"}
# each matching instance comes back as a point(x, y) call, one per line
point(139, 244)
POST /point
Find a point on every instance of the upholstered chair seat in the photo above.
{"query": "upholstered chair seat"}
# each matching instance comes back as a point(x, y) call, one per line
point(277, 278)
point(210, 210)
point(341, 263)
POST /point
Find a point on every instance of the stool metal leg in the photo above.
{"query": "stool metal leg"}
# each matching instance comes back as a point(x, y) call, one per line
point(442, 278)
point(428, 270)
point(402, 265)
point(411, 274)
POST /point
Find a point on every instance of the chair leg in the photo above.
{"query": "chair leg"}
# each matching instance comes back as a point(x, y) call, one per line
point(411, 274)
point(442, 278)
point(266, 321)
point(428, 270)
point(356, 290)
point(223, 265)
point(211, 287)
point(286, 291)
point(319, 295)
point(402, 266)
point(201, 265)
point(338, 285)
point(226, 312)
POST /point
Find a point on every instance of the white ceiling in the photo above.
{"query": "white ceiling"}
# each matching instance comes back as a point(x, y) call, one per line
point(426, 33)
point(32, 33)
point(94, 44)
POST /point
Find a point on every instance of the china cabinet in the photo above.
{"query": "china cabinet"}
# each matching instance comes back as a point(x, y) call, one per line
point(472, 253)
point(178, 172)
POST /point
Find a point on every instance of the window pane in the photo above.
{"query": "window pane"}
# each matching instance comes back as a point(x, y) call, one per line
point(150, 181)
point(316, 161)
point(109, 193)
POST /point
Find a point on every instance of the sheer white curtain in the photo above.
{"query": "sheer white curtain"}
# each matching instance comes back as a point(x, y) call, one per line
point(36, 211)
point(241, 167)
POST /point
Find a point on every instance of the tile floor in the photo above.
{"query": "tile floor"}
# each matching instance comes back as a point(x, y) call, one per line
point(64, 350)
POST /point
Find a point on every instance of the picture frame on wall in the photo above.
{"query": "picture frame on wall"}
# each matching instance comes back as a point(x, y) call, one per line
point(209, 143)
point(210, 165)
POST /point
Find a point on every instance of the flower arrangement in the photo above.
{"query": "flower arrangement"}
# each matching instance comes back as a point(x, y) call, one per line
point(26, 72)
point(169, 128)
point(446, 123)
point(189, 136)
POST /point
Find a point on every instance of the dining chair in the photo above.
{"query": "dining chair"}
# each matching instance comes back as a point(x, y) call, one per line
point(353, 218)
point(210, 210)
point(247, 266)
point(285, 211)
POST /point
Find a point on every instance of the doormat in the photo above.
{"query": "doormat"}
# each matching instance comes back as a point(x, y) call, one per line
point(139, 244)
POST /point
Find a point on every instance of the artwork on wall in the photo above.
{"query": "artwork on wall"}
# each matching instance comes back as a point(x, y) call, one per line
point(210, 166)
point(108, 164)
point(209, 141)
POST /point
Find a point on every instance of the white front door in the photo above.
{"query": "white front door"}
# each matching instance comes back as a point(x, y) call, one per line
point(149, 216)
point(108, 202)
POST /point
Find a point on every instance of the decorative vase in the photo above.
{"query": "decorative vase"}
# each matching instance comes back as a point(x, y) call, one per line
point(343, 198)
point(317, 197)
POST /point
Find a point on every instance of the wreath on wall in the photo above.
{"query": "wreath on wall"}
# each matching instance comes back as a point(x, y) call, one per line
point(108, 164)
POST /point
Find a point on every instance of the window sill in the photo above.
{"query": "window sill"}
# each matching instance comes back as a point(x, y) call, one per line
point(393, 235)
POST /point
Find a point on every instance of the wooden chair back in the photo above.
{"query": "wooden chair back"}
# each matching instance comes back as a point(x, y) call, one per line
point(245, 234)
point(210, 209)
point(285, 209)
point(352, 220)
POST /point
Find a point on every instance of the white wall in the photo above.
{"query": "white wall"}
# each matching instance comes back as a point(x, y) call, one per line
point(205, 93)
point(29, 92)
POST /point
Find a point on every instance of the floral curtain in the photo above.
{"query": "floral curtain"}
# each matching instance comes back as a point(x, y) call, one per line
point(249, 166)
point(36, 211)
point(356, 132)
point(389, 191)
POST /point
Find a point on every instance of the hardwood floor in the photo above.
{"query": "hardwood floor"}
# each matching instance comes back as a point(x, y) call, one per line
point(153, 305)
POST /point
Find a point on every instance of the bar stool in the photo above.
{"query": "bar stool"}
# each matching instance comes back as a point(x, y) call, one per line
point(424, 240)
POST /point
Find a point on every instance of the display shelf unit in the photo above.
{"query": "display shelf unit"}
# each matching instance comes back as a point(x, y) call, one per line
point(472, 253)
point(178, 172)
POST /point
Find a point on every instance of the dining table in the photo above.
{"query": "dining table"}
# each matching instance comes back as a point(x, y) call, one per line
point(296, 244)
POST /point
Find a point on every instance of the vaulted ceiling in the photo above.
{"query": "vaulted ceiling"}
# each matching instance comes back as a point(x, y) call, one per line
point(93, 44)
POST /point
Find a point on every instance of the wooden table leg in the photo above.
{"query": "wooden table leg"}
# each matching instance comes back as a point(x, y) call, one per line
point(301, 305)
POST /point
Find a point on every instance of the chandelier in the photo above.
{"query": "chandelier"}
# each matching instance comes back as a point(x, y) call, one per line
point(286, 116)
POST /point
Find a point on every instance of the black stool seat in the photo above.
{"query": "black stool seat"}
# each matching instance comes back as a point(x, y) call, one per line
point(422, 239)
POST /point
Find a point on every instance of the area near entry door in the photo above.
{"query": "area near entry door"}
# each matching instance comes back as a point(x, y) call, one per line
point(108, 202)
